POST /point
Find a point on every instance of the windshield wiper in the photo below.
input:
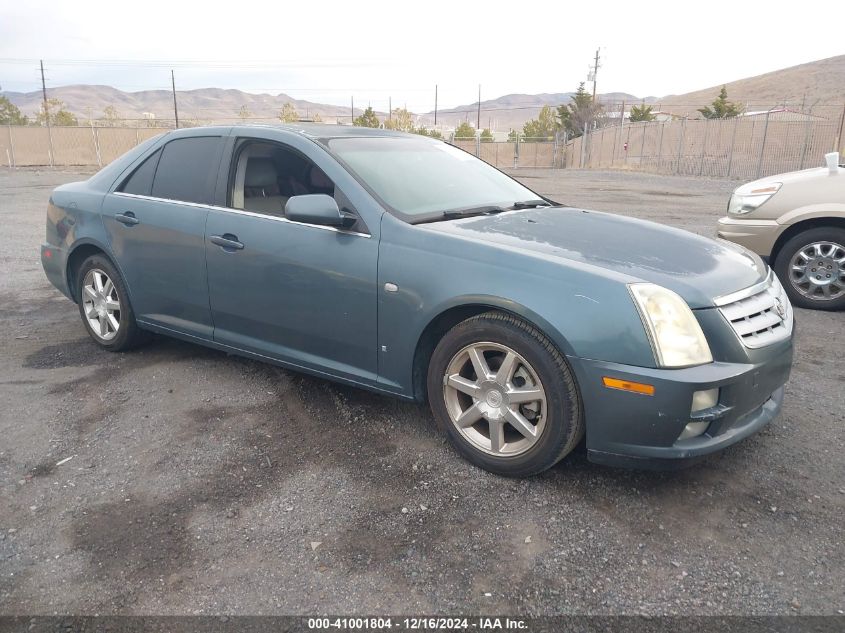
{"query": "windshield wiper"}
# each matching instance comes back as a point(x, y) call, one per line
point(529, 204)
point(488, 209)
point(465, 213)
point(462, 213)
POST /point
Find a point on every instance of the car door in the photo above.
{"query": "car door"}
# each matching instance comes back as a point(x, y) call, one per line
point(299, 293)
point(155, 220)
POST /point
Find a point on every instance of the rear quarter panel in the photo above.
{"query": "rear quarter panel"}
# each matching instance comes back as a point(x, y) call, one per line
point(73, 220)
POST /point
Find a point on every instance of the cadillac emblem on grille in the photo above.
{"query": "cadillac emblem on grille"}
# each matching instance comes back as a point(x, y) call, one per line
point(779, 308)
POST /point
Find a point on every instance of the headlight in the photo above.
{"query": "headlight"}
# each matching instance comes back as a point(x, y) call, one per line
point(675, 334)
point(745, 199)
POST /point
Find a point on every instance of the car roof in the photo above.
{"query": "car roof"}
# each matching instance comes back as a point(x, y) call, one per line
point(311, 130)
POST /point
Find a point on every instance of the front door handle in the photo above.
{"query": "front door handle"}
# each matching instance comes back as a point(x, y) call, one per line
point(127, 218)
point(227, 241)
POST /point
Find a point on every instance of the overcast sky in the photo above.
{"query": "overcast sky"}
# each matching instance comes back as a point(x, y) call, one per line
point(328, 51)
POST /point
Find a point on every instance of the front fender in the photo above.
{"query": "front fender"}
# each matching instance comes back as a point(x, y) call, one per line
point(494, 302)
point(584, 313)
point(812, 211)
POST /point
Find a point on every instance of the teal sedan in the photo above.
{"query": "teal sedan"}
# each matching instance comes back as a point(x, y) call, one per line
point(402, 264)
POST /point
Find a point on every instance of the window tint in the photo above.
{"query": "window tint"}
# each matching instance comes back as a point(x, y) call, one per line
point(187, 170)
point(141, 181)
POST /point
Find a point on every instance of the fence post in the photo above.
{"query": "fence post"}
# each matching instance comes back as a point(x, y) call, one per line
point(477, 143)
point(642, 144)
point(839, 136)
point(733, 143)
point(12, 148)
point(516, 152)
point(660, 146)
point(97, 145)
point(581, 149)
point(806, 140)
point(763, 147)
point(703, 146)
point(50, 141)
point(680, 146)
point(613, 153)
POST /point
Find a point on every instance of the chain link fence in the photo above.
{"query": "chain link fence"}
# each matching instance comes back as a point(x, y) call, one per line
point(744, 147)
point(522, 152)
point(24, 146)
point(28, 146)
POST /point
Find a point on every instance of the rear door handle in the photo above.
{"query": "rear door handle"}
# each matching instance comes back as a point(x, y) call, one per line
point(227, 241)
point(127, 218)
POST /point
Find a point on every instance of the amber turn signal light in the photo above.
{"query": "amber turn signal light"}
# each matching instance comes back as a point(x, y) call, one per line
point(627, 385)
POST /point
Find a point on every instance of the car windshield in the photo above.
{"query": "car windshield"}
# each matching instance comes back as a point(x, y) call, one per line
point(420, 178)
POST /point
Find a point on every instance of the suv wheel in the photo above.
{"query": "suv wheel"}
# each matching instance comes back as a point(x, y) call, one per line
point(504, 395)
point(811, 266)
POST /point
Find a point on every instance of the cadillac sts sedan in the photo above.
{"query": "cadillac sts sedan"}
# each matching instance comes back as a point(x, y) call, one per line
point(401, 264)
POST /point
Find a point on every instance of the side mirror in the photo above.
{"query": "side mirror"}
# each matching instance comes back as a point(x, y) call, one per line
point(317, 208)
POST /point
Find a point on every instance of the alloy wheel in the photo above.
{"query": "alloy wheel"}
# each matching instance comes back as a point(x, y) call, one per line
point(101, 304)
point(817, 271)
point(495, 399)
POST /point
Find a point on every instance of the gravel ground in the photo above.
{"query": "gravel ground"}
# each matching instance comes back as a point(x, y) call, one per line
point(179, 480)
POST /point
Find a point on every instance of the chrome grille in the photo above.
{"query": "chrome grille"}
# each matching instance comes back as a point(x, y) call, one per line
point(760, 315)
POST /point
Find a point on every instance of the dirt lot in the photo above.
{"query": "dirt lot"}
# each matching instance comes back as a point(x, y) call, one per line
point(204, 483)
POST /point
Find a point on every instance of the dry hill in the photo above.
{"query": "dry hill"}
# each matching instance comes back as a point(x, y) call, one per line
point(819, 85)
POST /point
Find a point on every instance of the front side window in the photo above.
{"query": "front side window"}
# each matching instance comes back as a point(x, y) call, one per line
point(267, 175)
point(418, 177)
point(187, 170)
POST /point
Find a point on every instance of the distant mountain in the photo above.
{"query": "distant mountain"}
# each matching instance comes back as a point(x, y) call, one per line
point(812, 84)
point(511, 111)
point(819, 85)
point(205, 105)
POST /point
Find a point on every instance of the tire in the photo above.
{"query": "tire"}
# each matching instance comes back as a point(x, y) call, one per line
point(518, 363)
point(105, 303)
point(826, 243)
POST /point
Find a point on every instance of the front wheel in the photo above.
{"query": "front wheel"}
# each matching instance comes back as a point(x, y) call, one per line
point(104, 305)
point(504, 395)
point(811, 267)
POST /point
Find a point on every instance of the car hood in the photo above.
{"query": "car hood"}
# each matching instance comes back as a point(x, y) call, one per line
point(699, 269)
point(792, 178)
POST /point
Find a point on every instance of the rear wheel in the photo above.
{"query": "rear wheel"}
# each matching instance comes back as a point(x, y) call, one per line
point(811, 266)
point(104, 305)
point(504, 395)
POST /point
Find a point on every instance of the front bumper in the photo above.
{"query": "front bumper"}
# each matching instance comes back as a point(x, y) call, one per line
point(758, 236)
point(635, 430)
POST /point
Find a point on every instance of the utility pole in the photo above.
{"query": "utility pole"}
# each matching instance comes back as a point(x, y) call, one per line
point(595, 72)
point(352, 115)
point(175, 110)
point(478, 120)
point(390, 108)
point(435, 105)
point(46, 111)
point(44, 92)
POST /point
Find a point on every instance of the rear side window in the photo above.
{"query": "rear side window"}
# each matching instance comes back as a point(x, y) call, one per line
point(187, 170)
point(141, 181)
